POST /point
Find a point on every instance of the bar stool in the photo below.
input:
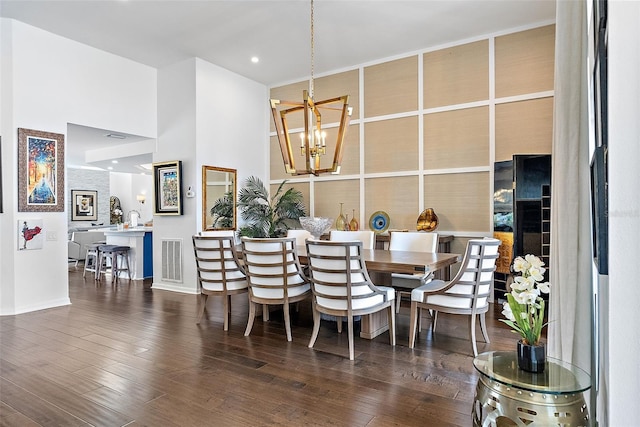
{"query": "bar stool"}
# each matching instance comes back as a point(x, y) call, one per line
point(113, 257)
point(91, 259)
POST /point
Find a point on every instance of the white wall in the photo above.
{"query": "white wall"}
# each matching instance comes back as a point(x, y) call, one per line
point(126, 186)
point(207, 116)
point(623, 377)
point(47, 82)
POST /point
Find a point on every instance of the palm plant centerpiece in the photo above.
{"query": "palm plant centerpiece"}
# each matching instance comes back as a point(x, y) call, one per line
point(268, 216)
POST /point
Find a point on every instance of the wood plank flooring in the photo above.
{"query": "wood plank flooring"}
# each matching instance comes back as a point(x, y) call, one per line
point(129, 355)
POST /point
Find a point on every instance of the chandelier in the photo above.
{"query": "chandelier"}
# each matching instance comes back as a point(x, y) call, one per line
point(313, 139)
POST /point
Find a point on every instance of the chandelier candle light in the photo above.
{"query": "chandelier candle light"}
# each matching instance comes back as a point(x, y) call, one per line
point(313, 140)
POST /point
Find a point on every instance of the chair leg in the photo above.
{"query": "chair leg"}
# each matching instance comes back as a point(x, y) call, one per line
point(316, 326)
point(226, 307)
point(472, 322)
point(434, 321)
point(398, 299)
point(252, 316)
point(350, 333)
point(419, 319)
point(392, 325)
point(202, 303)
point(287, 320)
point(265, 313)
point(415, 319)
point(339, 324)
point(483, 328)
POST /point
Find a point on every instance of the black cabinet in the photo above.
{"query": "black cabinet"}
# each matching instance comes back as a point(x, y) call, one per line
point(521, 211)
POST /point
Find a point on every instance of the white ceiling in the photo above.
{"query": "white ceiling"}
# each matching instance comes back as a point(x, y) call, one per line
point(229, 33)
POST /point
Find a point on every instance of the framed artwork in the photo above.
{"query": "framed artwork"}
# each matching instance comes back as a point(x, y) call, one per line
point(84, 205)
point(30, 234)
point(167, 186)
point(40, 171)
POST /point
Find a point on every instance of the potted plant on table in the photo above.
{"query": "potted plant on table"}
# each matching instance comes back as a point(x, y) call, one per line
point(524, 310)
point(268, 216)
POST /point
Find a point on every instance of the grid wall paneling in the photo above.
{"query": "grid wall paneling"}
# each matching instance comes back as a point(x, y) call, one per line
point(525, 61)
point(456, 75)
point(329, 195)
point(460, 200)
point(429, 128)
point(397, 197)
point(335, 85)
point(523, 127)
point(290, 92)
point(391, 145)
point(391, 87)
point(457, 138)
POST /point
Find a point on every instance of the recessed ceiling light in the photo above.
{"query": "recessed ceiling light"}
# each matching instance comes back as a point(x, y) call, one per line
point(110, 168)
point(114, 161)
point(115, 135)
point(255, 59)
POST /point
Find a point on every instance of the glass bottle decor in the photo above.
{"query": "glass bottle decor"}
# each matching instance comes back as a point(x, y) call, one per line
point(341, 221)
point(346, 223)
point(353, 224)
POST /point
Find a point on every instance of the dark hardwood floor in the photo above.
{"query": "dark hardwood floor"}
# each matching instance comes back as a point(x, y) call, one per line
point(129, 355)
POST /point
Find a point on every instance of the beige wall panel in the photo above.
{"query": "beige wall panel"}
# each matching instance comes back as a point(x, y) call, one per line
point(461, 201)
point(302, 187)
point(456, 75)
point(525, 61)
point(455, 139)
point(396, 196)
point(338, 85)
point(524, 127)
point(391, 145)
point(329, 195)
point(391, 87)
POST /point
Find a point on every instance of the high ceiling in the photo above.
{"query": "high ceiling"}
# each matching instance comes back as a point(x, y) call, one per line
point(230, 33)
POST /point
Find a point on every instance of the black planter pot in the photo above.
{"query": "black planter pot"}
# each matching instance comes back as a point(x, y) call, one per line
point(531, 358)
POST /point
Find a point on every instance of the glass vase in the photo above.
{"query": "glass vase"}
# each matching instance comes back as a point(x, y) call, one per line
point(353, 224)
point(341, 221)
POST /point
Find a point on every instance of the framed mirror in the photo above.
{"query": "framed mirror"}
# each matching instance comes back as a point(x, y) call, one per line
point(218, 198)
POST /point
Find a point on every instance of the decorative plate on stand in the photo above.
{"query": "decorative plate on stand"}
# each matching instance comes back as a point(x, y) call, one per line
point(379, 222)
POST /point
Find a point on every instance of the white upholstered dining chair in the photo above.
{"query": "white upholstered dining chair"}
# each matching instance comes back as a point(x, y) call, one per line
point(367, 237)
point(342, 287)
point(219, 271)
point(467, 293)
point(415, 241)
point(300, 235)
point(274, 276)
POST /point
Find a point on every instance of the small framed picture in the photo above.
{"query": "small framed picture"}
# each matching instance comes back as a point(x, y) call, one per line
point(167, 177)
point(84, 205)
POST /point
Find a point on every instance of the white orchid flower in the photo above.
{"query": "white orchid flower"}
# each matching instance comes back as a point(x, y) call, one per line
point(536, 273)
point(534, 261)
point(544, 287)
point(506, 312)
point(520, 265)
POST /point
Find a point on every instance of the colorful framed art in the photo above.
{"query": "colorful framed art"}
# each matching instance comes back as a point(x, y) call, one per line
point(40, 171)
point(84, 205)
point(167, 177)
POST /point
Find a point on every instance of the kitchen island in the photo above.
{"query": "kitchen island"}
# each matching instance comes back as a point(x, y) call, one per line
point(139, 239)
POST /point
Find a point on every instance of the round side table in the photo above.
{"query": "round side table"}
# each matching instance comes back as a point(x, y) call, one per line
point(509, 396)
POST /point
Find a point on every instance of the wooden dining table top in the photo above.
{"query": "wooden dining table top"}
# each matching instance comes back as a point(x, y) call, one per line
point(407, 262)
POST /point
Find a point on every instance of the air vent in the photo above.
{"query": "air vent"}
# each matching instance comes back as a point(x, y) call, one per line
point(172, 260)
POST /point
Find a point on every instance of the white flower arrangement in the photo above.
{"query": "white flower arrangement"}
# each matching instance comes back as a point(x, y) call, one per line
point(524, 308)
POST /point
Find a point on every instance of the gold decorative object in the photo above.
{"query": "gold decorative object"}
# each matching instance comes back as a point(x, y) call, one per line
point(428, 220)
point(341, 221)
point(353, 224)
point(313, 138)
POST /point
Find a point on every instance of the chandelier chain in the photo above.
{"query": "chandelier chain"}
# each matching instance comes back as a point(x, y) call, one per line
point(312, 54)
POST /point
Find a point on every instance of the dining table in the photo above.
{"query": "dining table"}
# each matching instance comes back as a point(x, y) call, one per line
point(380, 264)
